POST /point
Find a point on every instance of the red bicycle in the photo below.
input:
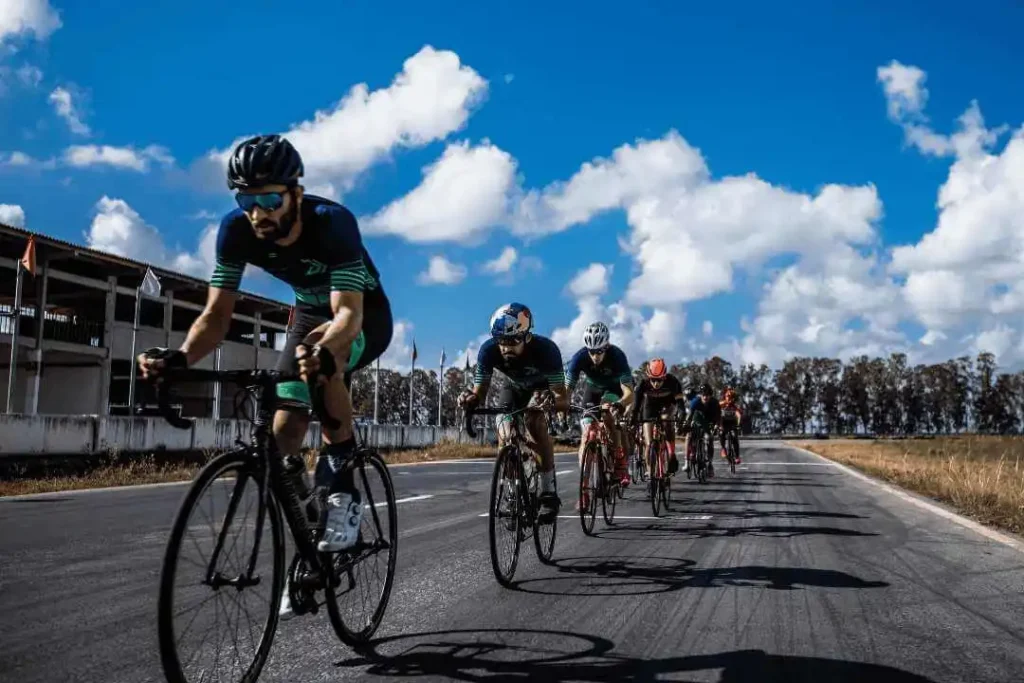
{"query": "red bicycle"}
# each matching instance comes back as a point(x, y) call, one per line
point(657, 457)
point(598, 478)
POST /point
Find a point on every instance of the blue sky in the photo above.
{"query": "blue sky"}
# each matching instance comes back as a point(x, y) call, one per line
point(784, 100)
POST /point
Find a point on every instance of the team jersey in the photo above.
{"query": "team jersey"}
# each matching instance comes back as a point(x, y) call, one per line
point(663, 395)
point(608, 376)
point(539, 366)
point(710, 411)
point(730, 413)
point(328, 256)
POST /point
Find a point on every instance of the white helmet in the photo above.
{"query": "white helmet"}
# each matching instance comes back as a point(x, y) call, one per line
point(596, 336)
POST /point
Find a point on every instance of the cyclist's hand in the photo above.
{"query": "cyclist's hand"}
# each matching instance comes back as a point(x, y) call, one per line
point(152, 362)
point(543, 398)
point(468, 399)
point(315, 361)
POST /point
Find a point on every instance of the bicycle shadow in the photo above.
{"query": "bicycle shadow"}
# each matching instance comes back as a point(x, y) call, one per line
point(712, 530)
point(616, 576)
point(516, 655)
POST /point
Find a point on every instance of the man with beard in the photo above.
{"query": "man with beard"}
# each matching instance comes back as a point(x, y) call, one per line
point(342, 318)
point(533, 366)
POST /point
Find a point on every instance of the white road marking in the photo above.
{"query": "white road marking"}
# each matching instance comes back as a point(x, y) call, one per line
point(402, 500)
point(988, 533)
point(789, 464)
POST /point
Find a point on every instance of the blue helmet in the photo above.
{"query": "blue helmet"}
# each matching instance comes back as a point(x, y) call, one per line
point(511, 320)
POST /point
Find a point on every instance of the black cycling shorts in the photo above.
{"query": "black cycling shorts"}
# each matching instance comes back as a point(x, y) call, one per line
point(373, 341)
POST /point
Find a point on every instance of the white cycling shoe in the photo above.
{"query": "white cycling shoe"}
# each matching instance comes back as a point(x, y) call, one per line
point(341, 531)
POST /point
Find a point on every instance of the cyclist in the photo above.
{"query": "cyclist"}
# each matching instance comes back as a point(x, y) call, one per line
point(609, 383)
point(342, 319)
point(653, 396)
point(707, 407)
point(533, 366)
point(731, 416)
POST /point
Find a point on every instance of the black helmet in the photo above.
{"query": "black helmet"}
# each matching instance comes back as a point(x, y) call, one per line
point(705, 389)
point(264, 160)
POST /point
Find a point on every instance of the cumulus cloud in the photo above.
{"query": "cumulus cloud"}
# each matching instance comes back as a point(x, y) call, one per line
point(591, 281)
point(13, 215)
point(63, 104)
point(24, 17)
point(503, 263)
point(398, 356)
point(463, 193)
point(118, 229)
point(129, 158)
point(441, 271)
point(429, 99)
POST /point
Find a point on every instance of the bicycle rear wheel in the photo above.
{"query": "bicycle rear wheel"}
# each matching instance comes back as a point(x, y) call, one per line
point(590, 476)
point(731, 450)
point(506, 514)
point(656, 477)
point(702, 461)
point(205, 582)
point(354, 628)
point(544, 536)
point(666, 485)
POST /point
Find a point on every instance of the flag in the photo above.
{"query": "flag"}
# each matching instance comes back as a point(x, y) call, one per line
point(467, 361)
point(415, 355)
point(443, 357)
point(150, 284)
point(28, 260)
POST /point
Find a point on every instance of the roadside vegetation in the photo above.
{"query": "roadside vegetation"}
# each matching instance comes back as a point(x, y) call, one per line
point(115, 470)
point(981, 477)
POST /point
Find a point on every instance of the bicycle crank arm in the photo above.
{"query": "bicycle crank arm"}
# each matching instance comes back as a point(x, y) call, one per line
point(240, 582)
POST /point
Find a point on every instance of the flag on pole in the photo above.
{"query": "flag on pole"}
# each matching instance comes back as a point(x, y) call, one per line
point(28, 260)
point(150, 284)
point(415, 355)
point(443, 357)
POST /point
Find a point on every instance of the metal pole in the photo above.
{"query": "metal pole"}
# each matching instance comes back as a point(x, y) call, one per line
point(376, 393)
point(135, 334)
point(440, 395)
point(412, 376)
point(216, 385)
point(11, 374)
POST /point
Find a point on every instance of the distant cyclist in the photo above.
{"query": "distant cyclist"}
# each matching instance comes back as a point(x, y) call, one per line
point(533, 365)
point(731, 417)
point(706, 407)
point(609, 382)
point(655, 394)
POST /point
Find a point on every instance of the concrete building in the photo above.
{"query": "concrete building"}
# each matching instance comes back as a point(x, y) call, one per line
point(74, 330)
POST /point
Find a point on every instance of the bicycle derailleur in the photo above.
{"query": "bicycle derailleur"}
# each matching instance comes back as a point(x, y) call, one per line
point(303, 583)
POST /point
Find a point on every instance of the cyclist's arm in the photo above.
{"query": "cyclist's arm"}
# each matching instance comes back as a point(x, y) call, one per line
point(347, 307)
point(483, 372)
point(572, 376)
point(211, 327)
point(625, 377)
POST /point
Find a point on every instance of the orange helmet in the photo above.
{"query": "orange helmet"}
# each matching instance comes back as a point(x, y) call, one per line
point(729, 395)
point(656, 368)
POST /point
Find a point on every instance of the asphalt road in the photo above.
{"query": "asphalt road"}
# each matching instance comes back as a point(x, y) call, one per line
point(790, 570)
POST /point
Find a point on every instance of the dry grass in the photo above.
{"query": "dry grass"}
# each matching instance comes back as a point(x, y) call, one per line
point(981, 476)
point(116, 471)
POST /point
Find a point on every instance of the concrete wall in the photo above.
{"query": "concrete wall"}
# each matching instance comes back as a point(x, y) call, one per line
point(68, 391)
point(84, 434)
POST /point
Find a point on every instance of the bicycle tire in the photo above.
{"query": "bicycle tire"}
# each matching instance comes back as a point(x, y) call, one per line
point(656, 482)
point(347, 635)
point(611, 489)
point(508, 457)
point(591, 461)
point(702, 461)
point(732, 456)
point(544, 553)
point(241, 460)
point(666, 485)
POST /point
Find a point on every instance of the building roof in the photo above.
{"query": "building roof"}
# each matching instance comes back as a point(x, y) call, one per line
point(13, 241)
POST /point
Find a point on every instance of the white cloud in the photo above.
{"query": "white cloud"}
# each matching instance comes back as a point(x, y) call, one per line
point(118, 229)
point(398, 356)
point(22, 17)
point(463, 194)
point(30, 75)
point(503, 263)
point(13, 215)
point(81, 156)
point(18, 159)
point(61, 100)
point(441, 271)
point(509, 78)
point(708, 328)
point(591, 281)
point(429, 99)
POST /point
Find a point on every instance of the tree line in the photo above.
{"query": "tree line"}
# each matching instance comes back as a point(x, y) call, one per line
point(882, 396)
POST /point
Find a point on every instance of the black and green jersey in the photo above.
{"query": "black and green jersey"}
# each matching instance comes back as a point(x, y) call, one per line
point(328, 256)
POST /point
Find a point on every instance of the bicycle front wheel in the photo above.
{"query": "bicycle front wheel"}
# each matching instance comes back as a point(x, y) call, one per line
point(590, 476)
point(356, 572)
point(227, 574)
point(611, 487)
point(506, 514)
point(657, 472)
point(544, 538)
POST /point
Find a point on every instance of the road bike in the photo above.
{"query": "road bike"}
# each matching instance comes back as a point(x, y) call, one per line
point(230, 574)
point(730, 451)
point(700, 436)
point(637, 459)
point(658, 453)
point(515, 496)
point(598, 478)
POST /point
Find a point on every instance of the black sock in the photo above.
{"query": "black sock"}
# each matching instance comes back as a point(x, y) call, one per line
point(332, 471)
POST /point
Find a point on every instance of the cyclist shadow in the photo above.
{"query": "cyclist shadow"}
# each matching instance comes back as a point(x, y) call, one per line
point(616, 576)
point(506, 655)
point(629, 532)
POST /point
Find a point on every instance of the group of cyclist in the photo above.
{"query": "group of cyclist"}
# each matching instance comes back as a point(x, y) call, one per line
point(342, 322)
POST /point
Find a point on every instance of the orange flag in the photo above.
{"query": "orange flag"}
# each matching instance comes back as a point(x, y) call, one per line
point(28, 260)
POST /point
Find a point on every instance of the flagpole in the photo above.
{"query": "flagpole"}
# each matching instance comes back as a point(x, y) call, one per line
point(440, 390)
point(135, 334)
point(376, 393)
point(412, 376)
point(11, 374)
